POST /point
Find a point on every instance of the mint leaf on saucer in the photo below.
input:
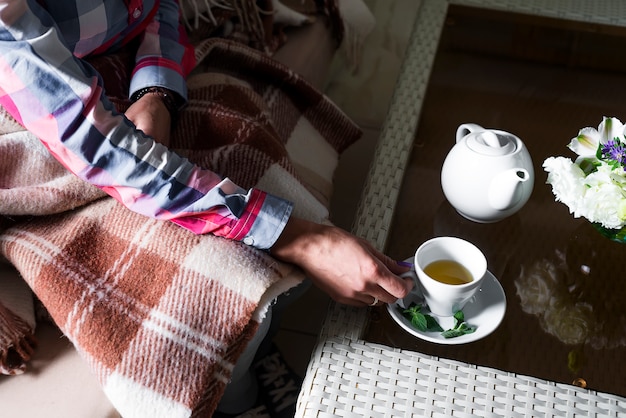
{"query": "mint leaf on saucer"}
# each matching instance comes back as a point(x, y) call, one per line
point(432, 324)
point(460, 327)
point(422, 322)
point(459, 317)
point(452, 333)
point(427, 323)
point(418, 320)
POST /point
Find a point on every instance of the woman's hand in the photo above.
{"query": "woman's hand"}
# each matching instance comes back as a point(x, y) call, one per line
point(150, 115)
point(348, 268)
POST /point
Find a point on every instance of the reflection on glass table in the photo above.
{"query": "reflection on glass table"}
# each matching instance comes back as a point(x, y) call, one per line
point(563, 280)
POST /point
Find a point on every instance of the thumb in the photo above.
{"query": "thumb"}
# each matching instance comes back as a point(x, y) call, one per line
point(396, 269)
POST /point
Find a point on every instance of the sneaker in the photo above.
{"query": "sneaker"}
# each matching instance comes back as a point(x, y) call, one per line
point(279, 386)
point(258, 412)
point(255, 412)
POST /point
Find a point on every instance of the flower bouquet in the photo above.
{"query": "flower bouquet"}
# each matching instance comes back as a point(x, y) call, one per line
point(594, 185)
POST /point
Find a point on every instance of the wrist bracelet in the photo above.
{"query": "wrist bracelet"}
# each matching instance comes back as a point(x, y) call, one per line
point(170, 99)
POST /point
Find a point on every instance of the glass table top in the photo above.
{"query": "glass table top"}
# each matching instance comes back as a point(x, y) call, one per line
point(563, 281)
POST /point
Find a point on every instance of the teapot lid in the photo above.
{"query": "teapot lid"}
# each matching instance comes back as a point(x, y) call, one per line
point(492, 143)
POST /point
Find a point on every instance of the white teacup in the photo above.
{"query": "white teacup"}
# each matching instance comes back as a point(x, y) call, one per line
point(445, 299)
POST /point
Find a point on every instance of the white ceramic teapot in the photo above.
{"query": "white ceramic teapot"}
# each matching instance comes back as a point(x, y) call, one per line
point(488, 174)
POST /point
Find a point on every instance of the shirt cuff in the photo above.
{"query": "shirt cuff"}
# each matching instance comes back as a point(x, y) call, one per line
point(269, 223)
point(155, 76)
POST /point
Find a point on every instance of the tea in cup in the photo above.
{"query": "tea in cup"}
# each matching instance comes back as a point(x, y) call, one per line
point(449, 272)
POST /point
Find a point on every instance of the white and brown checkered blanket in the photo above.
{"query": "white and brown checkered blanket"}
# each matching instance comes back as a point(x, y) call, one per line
point(160, 314)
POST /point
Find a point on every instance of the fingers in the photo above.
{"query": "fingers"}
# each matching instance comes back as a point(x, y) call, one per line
point(388, 289)
point(374, 302)
point(361, 300)
point(393, 287)
point(385, 286)
point(376, 295)
point(390, 283)
point(367, 300)
point(390, 263)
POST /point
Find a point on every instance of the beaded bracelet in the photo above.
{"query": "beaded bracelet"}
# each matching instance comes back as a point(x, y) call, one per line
point(170, 99)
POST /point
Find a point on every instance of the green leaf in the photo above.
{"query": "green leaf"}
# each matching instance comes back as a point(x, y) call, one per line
point(411, 311)
point(452, 333)
point(432, 324)
point(464, 329)
point(459, 317)
point(460, 327)
point(588, 166)
point(427, 323)
point(422, 322)
point(467, 329)
point(599, 151)
point(419, 321)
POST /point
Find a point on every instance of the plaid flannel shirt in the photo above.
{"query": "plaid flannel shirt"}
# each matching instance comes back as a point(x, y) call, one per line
point(53, 93)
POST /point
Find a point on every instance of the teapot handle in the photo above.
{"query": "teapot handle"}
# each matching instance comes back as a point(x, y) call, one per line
point(465, 129)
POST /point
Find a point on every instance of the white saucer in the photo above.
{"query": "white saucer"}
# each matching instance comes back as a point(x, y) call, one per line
point(485, 311)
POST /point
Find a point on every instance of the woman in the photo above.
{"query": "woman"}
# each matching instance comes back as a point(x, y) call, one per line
point(48, 87)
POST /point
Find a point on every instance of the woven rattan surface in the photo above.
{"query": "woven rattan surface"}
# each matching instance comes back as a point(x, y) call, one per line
point(356, 378)
point(608, 12)
point(350, 377)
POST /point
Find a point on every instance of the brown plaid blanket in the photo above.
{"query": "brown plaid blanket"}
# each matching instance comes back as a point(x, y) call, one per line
point(159, 314)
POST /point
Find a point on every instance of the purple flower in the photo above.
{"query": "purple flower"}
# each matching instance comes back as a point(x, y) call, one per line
point(614, 150)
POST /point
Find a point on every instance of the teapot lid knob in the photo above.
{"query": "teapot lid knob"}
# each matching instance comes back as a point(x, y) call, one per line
point(491, 143)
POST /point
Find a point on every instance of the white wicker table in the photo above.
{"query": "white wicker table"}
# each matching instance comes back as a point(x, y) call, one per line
point(348, 376)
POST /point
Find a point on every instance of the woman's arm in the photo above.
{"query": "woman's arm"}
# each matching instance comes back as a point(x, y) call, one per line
point(164, 57)
point(347, 268)
point(60, 99)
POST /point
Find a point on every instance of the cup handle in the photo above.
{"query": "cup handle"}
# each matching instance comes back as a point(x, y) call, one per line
point(412, 274)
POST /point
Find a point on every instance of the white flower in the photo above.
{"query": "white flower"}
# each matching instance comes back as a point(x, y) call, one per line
point(567, 180)
point(596, 197)
point(588, 139)
point(598, 192)
point(610, 128)
point(586, 143)
point(603, 198)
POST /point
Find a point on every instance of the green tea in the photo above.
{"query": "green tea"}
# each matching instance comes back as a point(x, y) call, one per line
point(449, 272)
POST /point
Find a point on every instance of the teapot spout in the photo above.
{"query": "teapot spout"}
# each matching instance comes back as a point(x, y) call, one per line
point(507, 188)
